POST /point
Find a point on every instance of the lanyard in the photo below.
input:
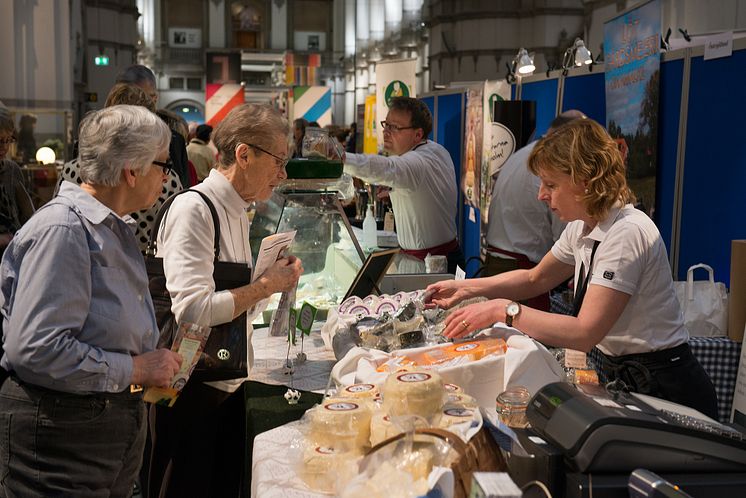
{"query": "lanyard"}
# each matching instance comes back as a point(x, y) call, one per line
point(577, 302)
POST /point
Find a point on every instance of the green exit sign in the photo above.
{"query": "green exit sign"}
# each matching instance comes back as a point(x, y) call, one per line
point(102, 60)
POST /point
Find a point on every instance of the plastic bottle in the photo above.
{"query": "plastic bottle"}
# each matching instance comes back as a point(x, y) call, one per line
point(370, 230)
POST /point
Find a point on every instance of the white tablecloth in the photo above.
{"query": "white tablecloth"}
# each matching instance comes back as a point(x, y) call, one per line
point(269, 361)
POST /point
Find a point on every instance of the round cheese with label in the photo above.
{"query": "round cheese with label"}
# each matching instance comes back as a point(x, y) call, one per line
point(413, 393)
point(360, 391)
point(451, 415)
point(323, 465)
point(462, 400)
point(340, 422)
point(452, 388)
point(381, 428)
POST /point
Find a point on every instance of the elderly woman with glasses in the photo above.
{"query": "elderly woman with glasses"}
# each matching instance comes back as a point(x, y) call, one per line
point(15, 204)
point(199, 443)
point(80, 332)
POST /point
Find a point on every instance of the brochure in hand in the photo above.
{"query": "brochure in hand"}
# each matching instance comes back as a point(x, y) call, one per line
point(189, 342)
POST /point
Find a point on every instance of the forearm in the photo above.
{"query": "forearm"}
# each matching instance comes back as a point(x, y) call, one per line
point(553, 329)
point(248, 296)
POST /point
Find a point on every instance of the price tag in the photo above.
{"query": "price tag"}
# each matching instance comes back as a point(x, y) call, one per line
point(460, 274)
point(306, 318)
point(575, 359)
point(292, 322)
point(388, 221)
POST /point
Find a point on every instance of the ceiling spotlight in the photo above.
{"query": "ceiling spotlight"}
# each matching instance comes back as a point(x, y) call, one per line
point(524, 64)
point(582, 54)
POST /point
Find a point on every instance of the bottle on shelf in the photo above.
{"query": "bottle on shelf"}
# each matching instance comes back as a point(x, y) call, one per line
point(370, 230)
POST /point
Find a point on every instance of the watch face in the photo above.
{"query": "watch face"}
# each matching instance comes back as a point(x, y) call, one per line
point(512, 309)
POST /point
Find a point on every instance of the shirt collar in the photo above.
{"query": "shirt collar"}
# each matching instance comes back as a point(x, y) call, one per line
point(602, 227)
point(87, 205)
point(198, 141)
point(219, 185)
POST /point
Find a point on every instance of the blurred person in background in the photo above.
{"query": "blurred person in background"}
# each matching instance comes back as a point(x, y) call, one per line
point(78, 322)
point(15, 203)
point(201, 155)
point(299, 131)
point(26, 138)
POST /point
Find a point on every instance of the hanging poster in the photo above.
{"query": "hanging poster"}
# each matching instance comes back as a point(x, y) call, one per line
point(471, 173)
point(313, 103)
point(393, 79)
point(220, 99)
point(494, 152)
point(632, 61)
point(370, 142)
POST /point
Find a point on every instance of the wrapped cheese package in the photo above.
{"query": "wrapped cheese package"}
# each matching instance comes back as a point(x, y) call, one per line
point(413, 393)
point(340, 423)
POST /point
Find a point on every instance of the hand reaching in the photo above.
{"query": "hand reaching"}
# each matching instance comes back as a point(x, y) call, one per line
point(477, 316)
point(446, 293)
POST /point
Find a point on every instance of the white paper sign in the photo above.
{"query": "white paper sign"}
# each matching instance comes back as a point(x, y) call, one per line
point(720, 45)
point(460, 274)
point(502, 146)
point(472, 215)
point(270, 251)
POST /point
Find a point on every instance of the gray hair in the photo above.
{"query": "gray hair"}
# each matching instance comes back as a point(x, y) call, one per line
point(248, 124)
point(6, 121)
point(118, 137)
point(136, 75)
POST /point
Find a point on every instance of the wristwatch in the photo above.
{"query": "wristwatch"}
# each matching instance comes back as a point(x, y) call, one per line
point(512, 309)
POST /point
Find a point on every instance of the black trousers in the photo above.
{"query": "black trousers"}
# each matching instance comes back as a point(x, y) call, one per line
point(56, 444)
point(673, 374)
point(198, 445)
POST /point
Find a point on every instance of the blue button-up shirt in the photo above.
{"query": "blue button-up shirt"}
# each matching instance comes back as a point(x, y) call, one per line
point(74, 297)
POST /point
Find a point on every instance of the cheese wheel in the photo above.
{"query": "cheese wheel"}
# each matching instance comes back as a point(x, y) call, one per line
point(322, 465)
point(381, 428)
point(360, 391)
point(340, 421)
point(451, 415)
point(413, 393)
point(462, 400)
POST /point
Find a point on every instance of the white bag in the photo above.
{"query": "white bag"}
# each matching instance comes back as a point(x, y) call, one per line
point(704, 304)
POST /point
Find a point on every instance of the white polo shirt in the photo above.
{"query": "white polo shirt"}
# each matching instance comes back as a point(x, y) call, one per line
point(423, 192)
point(630, 258)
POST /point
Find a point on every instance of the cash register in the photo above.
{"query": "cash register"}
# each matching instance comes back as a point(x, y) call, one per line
point(590, 439)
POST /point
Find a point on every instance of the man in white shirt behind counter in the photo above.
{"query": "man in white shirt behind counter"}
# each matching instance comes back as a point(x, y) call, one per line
point(422, 178)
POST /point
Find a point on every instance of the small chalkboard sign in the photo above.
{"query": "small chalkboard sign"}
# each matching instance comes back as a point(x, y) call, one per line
point(370, 275)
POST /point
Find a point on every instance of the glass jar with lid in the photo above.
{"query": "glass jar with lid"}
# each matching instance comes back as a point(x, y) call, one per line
point(511, 406)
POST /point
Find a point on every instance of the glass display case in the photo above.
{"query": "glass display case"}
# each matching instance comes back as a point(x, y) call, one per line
point(324, 240)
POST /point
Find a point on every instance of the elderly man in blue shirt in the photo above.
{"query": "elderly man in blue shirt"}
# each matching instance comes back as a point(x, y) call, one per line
point(78, 321)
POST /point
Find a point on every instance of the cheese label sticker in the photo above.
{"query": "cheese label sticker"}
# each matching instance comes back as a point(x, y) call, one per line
point(455, 398)
point(450, 387)
point(325, 450)
point(360, 388)
point(341, 407)
point(466, 347)
point(458, 412)
point(414, 377)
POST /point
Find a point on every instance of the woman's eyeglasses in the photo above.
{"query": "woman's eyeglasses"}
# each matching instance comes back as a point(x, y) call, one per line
point(168, 166)
point(281, 161)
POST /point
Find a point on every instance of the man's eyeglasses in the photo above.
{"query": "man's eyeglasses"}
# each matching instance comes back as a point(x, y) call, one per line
point(281, 161)
point(392, 127)
point(7, 141)
point(168, 166)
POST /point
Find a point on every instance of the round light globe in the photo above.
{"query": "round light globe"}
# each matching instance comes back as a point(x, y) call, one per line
point(45, 155)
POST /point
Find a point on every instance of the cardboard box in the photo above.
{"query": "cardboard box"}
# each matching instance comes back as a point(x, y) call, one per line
point(737, 299)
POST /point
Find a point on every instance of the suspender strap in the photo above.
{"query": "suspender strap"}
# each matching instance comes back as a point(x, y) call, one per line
point(584, 279)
